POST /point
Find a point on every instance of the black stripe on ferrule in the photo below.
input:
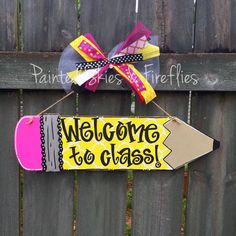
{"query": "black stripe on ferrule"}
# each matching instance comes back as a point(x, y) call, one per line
point(42, 139)
point(51, 144)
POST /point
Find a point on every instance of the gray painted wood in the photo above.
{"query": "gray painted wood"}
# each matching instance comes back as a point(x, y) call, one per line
point(215, 26)
point(172, 21)
point(48, 197)
point(9, 106)
point(157, 195)
point(102, 194)
point(101, 203)
point(8, 25)
point(51, 137)
point(109, 21)
point(211, 206)
point(48, 25)
point(182, 72)
point(176, 21)
point(9, 174)
point(212, 189)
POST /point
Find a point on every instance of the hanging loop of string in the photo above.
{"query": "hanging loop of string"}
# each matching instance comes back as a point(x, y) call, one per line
point(165, 112)
point(52, 105)
point(67, 95)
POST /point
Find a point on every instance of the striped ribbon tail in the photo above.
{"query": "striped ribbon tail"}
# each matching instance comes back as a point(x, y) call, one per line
point(88, 65)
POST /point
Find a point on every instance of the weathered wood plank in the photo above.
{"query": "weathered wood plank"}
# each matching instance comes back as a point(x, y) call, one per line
point(9, 103)
point(8, 25)
point(171, 21)
point(110, 23)
point(157, 199)
point(9, 174)
point(215, 26)
point(48, 197)
point(102, 194)
point(211, 209)
point(181, 72)
point(157, 196)
point(178, 25)
point(212, 189)
point(48, 25)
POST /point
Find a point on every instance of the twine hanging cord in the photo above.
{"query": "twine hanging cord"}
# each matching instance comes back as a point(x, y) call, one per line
point(67, 95)
point(165, 112)
point(51, 106)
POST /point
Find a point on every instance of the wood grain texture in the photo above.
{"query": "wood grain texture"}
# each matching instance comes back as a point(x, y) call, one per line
point(212, 189)
point(109, 21)
point(102, 194)
point(174, 23)
point(179, 72)
point(171, 20)
point(157, 195)
point(210, 206)
point(48, 25)
point(48, 197)
point(9, 106)
point(215, 26)
point(9, 174)
point(8, 25)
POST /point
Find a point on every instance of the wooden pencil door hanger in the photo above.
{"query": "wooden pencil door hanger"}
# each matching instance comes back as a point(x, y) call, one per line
point(54, 143)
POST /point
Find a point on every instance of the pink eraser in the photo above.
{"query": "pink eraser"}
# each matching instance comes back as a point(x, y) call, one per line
point(28, 143)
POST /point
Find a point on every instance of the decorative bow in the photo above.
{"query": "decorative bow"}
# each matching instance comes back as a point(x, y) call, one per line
point(135, 48)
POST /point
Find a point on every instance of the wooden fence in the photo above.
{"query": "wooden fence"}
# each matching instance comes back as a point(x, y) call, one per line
point(94, 203)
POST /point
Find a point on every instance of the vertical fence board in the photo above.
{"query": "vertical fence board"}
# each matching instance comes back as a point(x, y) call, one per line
point(9, 174)
point(9, 106)
point(102, 194)
point(215, 26)
point(212, 183)
point(210, 207)
point(178, 25)
point(48, 25)
point(157, 200)
point(48, 197)
point(8, 25)
point(109, 21)
point(171, 20)
point(157, 195)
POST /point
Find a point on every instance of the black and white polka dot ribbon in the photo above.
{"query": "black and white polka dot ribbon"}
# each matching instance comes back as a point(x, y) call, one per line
point(115, 60)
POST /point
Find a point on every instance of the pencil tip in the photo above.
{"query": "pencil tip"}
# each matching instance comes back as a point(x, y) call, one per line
point(216, 144)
